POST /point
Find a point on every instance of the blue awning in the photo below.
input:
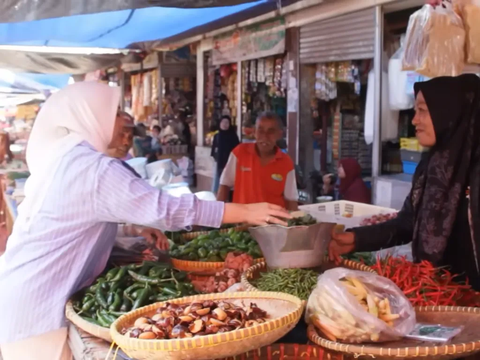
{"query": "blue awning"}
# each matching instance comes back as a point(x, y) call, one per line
point(115, 29)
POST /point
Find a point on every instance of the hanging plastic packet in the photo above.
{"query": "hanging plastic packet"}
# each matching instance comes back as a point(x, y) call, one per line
point(434, 333)
point(469, 10)
point(435, 42)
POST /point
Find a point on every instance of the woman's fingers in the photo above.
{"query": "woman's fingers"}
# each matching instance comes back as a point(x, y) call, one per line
point(277, 221)
point(279, 213)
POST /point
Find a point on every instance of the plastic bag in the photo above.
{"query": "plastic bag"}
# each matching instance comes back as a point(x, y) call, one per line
point(435, 42)
point(345, 317)
point(397, 80)
point(469, 10)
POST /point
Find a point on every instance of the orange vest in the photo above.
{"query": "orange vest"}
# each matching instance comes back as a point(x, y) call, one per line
point(255, 183)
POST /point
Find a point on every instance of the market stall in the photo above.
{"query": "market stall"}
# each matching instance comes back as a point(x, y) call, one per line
point(244, 74)
point(279, 269)
point(336, 68)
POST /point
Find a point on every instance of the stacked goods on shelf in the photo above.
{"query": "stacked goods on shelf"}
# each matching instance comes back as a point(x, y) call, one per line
point(411, 153)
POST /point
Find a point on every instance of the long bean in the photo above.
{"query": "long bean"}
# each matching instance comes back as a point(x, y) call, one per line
point(297, 282)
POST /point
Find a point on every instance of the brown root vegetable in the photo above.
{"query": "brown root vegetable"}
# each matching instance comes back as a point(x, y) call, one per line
point(149, 335)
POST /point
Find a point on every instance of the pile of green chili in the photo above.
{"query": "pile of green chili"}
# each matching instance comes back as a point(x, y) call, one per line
point(127, 288)
point(297, 282)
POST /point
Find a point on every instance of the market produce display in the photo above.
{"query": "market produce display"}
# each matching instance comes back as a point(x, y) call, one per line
point(378, 219)
point(174, 321)
point(425, 285)
point(127, 288)
point(234, 266)
point(340, 324)
point(215, 246)
point(297, 282)
point(358, 307)
point(178, 236)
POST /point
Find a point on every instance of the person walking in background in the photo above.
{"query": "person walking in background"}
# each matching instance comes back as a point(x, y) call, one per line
point(352, 187)
point(261, 171)
point(156, 137)
point(223, 143)
point(142, 143)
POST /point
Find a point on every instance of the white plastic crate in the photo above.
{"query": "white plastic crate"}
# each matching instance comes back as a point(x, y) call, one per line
point(347, 213)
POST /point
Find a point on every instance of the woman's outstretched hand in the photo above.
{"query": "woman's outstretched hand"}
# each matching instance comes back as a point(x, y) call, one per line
point(341, 244)
point(255, 214)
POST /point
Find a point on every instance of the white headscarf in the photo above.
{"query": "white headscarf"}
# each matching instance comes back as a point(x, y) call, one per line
point(84, 111)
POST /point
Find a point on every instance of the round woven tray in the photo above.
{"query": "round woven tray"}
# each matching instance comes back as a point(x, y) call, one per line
point(254, 271)
point(95, 330)
point(285, 311)
point(465, 344)
point(194, 234)
point(288, 352)
point(201, 267)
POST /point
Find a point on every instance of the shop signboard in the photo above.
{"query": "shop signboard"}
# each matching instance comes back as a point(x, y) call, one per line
point(251, 42)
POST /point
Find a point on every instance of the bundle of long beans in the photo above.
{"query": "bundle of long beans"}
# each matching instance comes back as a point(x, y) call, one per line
point(297, 282)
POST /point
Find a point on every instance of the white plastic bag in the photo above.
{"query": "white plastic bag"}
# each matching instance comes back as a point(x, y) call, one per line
point(397, 80)
point(341, 316)
point(435, 42)
point(389, 117)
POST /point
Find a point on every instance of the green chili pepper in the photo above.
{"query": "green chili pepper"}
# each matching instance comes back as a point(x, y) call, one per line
point(143, 278)
point(119, 275)
point(110, 318)
point(87, 297)
point(169, 291)
point(116, 303)
point(111, 274)
point(117, 313)
point(126, 304)
point(110, 298)
point(102, 320)
point(181, 288)
point(133, 287)
point(141, 298)
point(88, 305)
point(100, 298)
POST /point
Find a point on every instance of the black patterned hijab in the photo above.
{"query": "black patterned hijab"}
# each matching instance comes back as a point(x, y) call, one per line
point(451, 166)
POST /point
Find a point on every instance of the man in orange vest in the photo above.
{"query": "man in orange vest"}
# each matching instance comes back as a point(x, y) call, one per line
point(261, 172)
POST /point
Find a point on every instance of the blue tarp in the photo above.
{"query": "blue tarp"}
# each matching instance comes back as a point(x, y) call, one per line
point(116, 29)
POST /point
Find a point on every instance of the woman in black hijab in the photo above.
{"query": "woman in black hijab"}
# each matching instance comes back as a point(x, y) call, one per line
point(441, 215)
point(223, 143)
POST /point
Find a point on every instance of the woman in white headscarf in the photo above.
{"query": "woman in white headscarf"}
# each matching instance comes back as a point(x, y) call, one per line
point(66, 225)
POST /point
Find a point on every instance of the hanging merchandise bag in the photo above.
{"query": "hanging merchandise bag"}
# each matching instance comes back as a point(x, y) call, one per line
point(469, 10)
point(357, 307)
point(398, 97)
point(435, 42)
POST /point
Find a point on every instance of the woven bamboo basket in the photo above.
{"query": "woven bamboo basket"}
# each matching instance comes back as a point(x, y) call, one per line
point(466, 344)
point(284, 311)
point(254, 271)
point(194, 234)
point(95, 330)
point(201, 267)
point(289, 352)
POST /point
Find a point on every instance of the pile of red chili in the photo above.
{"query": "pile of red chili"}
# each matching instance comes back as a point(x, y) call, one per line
point(425, 285)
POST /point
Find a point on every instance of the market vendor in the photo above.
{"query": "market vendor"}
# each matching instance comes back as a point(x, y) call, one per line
point(125, 142)
point(66, 225)
point(440, 216)
point(261, 171)
point(121, 152)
